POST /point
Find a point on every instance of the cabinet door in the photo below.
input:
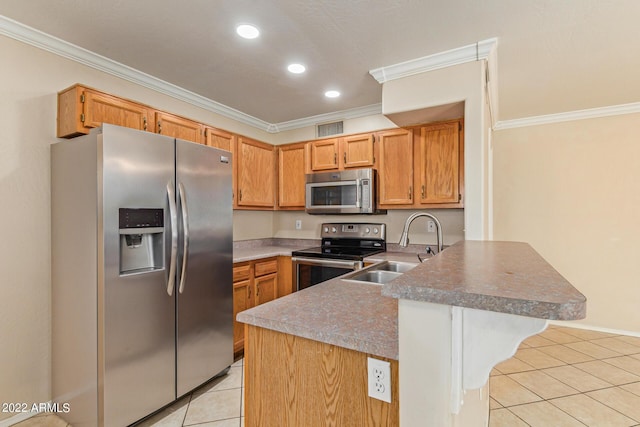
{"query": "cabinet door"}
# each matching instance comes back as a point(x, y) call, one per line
point(438, 159)
point(241, 302)
point(256, 173)
point(324, 154)
point(266, 288)
point(99, 108)
point(357, 151)
point(291, 176)
point(395, 167)
point(178, 127)
point(219, 138)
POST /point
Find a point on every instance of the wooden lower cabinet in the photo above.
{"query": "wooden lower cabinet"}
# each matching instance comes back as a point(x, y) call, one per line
point(293, 381)
point(257, 282)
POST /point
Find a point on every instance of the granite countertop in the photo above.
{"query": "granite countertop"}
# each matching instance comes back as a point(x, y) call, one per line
point(347, 314)
point(249, 250)
point(505, 277)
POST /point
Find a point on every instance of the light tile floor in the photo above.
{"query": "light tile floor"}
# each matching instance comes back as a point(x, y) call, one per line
point(568, 377)
point(561, 377)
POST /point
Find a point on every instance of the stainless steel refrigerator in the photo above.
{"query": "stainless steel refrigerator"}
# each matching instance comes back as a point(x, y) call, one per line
point(141, 233)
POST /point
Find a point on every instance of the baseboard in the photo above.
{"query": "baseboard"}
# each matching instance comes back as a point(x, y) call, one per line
point(593, 328)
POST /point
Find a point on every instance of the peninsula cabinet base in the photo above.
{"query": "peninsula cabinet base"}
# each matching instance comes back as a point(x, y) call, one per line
point(293, 381)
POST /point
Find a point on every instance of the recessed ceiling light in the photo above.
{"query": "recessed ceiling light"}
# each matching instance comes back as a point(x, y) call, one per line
point(296, 68)
point(332, 94)
point(247, 31)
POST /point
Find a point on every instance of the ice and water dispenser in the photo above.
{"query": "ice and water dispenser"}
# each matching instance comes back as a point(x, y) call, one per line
point(141, 239)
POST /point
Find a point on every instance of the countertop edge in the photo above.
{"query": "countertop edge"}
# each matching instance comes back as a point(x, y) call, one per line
point(351, 343)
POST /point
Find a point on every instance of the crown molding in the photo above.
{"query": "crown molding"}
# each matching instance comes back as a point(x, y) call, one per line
point(473, 52)
point(591, 113)
point(41, 40)
point(352, 113)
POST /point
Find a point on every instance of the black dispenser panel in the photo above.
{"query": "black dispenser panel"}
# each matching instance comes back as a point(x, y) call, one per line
point(140, 218)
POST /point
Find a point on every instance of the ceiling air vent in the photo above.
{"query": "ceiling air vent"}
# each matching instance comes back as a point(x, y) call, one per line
point(328, 129)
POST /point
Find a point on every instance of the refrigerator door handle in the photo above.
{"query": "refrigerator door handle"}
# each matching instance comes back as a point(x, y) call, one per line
point(173, 213)
point(185, 230)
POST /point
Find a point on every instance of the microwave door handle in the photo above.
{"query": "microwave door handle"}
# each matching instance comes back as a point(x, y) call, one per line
point(185, 230)
point(173, 214)
point(358, 193)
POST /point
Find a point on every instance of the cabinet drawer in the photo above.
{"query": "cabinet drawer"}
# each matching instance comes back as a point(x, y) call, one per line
point(241, 272)
point(266, 267)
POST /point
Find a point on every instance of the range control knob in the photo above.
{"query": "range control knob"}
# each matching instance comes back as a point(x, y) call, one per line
point(326, 229)
point(367, 230)
point(375, 230)
point(334, 230)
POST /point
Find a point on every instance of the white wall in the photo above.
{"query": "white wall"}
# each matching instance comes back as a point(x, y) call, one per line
point(29, 81)
point(460, 83)
point(572, 190)
point(452, 221)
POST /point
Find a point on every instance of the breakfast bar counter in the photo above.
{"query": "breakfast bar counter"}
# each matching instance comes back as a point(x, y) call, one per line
point(446, 322)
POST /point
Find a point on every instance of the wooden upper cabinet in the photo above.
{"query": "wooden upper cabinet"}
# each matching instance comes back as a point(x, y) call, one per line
point(219, 138)
point(438, 156)
point(80, 109)
point(178, 127)
point(324, 154)
point(357, 151)
point(291, 176)
point(395, 168)
point(255, 172)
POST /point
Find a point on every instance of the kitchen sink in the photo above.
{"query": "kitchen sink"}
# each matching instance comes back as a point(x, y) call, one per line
point(375, 276)
point(400, 267)
point(380, 273)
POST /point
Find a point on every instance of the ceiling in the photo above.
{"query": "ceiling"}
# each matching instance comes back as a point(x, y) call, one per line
point(552, 56)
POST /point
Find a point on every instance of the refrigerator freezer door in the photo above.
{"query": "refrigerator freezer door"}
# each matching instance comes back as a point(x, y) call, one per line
point(137, 343)
point(205, 305)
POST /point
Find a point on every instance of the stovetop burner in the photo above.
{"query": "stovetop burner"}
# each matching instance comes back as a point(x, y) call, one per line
point(349, 241)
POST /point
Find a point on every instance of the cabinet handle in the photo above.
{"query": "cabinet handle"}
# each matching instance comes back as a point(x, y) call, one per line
point(144, 123)
point(335, 158)
point(410, 193)
point(159, 127)
point(257, 290)
point(422, 192)
point(345, 157)
point(249, 294)
point(240, 195)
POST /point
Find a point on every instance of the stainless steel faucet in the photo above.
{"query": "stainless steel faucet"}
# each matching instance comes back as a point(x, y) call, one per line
point(404, 238)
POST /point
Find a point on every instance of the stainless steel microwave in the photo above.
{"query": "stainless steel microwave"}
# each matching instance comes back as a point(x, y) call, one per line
point(342, 192)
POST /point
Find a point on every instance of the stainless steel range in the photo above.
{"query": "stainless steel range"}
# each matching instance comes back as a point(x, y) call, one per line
point(344, 248)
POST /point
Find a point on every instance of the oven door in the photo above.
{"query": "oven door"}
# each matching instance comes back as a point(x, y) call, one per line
point(311, 271)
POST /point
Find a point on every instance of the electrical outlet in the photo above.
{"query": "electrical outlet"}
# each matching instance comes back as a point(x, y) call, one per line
point(379, 379)
point(431, 227)
point(298, 224)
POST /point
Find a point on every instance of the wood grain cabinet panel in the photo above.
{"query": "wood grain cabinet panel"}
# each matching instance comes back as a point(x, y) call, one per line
point(292, 381)
point(324, 154)
point(255, 282)
point(395, 168)
point(219, 138)
point(80, 109)
point(357, 151)
point(438, 155)
point(178, 127)
point(241, 302)
point(291, 176)
point(256, 171)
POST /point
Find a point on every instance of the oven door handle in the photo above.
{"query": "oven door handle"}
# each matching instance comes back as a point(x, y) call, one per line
point(324, 262)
